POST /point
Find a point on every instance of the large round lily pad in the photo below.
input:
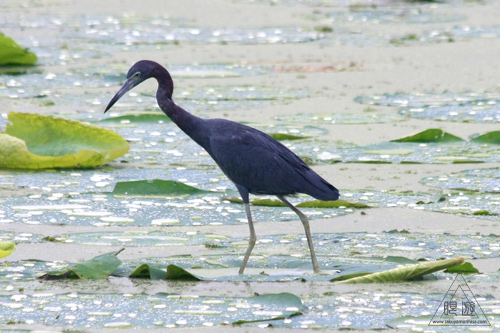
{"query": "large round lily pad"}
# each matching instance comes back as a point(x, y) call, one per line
point(34, 141)
point(12, 54)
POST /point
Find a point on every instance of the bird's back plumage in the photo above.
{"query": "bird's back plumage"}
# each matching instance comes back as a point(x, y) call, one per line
point(261, 164)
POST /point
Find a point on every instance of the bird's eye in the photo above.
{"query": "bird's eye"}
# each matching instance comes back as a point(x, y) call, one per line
point(136, 75)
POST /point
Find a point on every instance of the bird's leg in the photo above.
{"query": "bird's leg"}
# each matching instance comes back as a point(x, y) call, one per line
point(253, 237)
point(251, 240)
point(305, 223)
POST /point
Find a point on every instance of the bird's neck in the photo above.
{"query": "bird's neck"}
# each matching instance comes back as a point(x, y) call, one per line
point(188, 123)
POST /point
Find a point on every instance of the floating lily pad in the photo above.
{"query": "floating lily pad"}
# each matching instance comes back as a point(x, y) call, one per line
point(149, 272)
point(484, 213)
point(6, 249)
point(155, 187)
point(178, 273)
point(34, 141)
point(12, 54)
point(430, 135)
point(268, 203)
point(283, 136)
point(406, 272)
point(99, 267)
point(11, 70)
point(465, 268)
point(491, 137)
point(234, 200)
point(305, 204)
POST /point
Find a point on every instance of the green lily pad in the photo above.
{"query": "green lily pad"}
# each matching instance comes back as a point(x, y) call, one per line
point(430, 135)
point(148, 272)
point(396, 231)
point(284, 136)
point(6, 249)
point(363, 270)
point(55, 239)
point(490, 137)
point(155, 187)
point(465, 268)
point(13, 54)
point(484, 213)
point(18, 69)
point(99, 267)
point(234, 200)
point(268, 203)
point(306, 204)
point(178, 273)
point(349, 276)
point(332, 204)
point(406, 272)
point(34, 141)
point(286, 305)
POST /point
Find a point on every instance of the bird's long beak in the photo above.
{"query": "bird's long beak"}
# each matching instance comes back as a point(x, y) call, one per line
point(129, 84)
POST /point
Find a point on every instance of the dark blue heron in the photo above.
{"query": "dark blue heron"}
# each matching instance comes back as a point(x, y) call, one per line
point(254, 161)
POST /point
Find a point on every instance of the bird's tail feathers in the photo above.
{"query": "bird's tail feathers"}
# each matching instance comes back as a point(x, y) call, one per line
point(320, 188)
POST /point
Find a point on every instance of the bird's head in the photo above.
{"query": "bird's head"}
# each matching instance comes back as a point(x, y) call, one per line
point(139, 72)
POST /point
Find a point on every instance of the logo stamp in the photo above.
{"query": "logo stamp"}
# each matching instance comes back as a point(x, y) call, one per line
point(459, 307)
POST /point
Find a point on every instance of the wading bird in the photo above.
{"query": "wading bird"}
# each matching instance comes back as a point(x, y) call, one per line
point(255, 162)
